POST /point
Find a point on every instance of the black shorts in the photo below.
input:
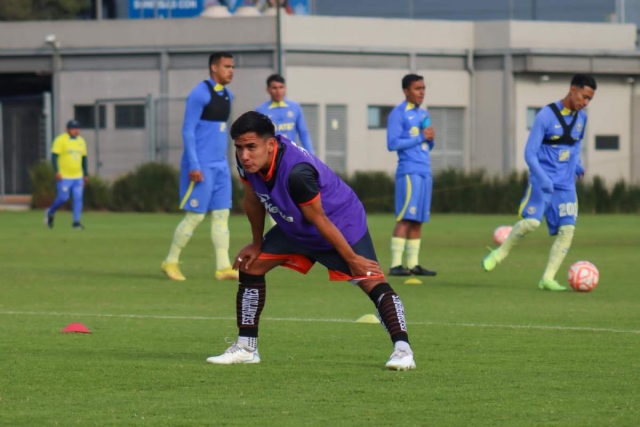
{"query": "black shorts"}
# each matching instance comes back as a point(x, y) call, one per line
point(277, 245)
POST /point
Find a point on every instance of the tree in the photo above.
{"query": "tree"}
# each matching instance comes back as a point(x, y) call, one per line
point(24, 10)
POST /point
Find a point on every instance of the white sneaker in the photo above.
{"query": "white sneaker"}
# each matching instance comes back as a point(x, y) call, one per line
point(401, 360)
point(235, 354)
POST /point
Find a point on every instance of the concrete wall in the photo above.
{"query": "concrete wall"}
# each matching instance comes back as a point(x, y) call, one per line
point(136, 33)
point(554, 35)
point(357, 88)
point(368, 32)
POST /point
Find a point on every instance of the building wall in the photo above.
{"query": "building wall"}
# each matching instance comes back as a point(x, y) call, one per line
point(120, 149)
point(357, 89)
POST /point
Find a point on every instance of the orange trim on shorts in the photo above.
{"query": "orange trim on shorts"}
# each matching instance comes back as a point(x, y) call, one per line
point(338, 276)
point(317, 197)
point(296, 262)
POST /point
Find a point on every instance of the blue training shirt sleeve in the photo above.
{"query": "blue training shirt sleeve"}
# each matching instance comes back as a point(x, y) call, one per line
point(303, 132)
point(534, 143)
point(395, 141)
point(196, 101)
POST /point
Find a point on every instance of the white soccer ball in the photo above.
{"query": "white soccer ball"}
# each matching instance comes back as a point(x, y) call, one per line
point(501, 233)
point(583, 276)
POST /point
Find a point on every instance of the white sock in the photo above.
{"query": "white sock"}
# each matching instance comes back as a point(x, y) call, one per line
point(519, 230)
point(397, 249)
point(183, 233)
point(220, 237)
point(248, 343)
point(558, 251)
point(403, 346)
point(413, 251)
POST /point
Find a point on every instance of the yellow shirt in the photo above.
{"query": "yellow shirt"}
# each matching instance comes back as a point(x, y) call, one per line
point(70, 152)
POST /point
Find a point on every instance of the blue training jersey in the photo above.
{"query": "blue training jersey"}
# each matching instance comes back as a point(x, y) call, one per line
point(205, 142)
point(288, 118)
point(558, 163)
point(404, 135)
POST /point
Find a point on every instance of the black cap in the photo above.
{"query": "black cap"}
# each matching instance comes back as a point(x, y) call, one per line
point(73, 124)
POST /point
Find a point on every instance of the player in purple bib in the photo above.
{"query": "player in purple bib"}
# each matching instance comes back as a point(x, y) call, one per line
point(318, 219)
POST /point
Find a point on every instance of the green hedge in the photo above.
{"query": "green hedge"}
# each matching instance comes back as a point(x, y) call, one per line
point(153, 187)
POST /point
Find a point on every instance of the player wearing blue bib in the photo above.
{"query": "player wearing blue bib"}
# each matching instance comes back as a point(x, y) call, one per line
point(286, 115)
point(553, 156)
point(205, 180)
point(410, 133)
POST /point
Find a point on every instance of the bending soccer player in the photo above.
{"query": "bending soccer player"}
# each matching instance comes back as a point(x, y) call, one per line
point(553, 156)
point(205, 180)
point(318, 218)
point(410, 133)
point(286, 115)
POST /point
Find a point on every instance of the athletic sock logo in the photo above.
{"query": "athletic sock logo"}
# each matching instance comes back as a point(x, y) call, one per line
point(397, 302)
point(250, 301)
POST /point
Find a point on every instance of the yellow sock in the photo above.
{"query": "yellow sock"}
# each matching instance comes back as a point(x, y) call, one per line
point(413, 251)
point(397, 249)
point(220, 237)
point(183, 233)
point(558, 251)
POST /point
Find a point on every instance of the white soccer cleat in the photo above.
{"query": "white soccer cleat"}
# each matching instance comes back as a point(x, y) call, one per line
point(401, 360)
point(235, 354)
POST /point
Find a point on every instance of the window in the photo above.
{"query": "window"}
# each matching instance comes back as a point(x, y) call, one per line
point(607, 142)
point(312, 118)
point(448, 153)
point(532, 112)
point(130, 116)
point(377, 116)
point(336, 134)
point(85, 115)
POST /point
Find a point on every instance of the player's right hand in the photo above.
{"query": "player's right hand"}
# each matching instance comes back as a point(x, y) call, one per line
point(196, 176)
point(547, 186)
point(247, 256)
point(429, 133)
point(58, 177)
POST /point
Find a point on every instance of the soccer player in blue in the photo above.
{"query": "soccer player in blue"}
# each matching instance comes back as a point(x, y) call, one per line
point(69, 158)
point(286, 115)
point(553, 156)
point(409, 132)
point(205, 180)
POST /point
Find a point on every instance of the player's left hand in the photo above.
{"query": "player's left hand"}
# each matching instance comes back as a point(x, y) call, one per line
point(247, 256)
point(580, 176)
point(362, 267)
point(85, 180)
point(429, 133)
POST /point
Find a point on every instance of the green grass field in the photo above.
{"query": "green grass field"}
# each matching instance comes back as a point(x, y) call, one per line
point(491, 349)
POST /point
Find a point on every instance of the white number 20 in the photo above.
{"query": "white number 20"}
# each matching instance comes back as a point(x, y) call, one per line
point(568, 209)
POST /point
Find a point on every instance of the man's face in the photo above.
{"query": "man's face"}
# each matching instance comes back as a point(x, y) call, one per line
point(580, 97)
point(222, 72)
point(277, 91)
point(415, 92)
point(73, 132)
point(255, 153)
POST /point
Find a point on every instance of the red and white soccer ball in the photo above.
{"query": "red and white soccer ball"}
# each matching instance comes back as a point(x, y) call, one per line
point(583, 276)
point(501, 233)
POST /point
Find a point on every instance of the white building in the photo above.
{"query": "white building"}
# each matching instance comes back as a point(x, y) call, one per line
point(485, 80)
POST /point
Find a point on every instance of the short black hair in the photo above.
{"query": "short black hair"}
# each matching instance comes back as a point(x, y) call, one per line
point(215, 57)
point(252, 121)
point(582, 80)
point(410, 78)
point(275, 78)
